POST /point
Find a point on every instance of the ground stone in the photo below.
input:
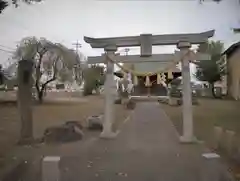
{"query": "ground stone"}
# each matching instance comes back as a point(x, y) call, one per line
point(68, 132)
point(76, 126)
point(95, 122)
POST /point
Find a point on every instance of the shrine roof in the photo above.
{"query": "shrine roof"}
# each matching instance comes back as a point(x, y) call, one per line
point(230, 51)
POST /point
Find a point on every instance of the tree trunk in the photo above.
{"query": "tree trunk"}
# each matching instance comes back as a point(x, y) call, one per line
point(40, 96)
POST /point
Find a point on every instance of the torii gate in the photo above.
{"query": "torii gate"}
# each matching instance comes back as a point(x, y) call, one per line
point(146, 41)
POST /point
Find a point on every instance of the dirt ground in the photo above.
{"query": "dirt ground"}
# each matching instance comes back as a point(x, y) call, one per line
point(54, 111)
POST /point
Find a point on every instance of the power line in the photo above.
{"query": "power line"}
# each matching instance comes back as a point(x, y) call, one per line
point(7, 47)
point(7, 51)
point(78, 45)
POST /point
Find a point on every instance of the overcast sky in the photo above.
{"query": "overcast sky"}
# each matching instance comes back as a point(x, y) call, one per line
point(66, 21)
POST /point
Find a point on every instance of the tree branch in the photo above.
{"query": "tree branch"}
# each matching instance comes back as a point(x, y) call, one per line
point(54, 73)
point(38, 71)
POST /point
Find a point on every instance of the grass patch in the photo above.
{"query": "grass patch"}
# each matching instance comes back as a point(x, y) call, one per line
point(206, 115)
point(50, 113)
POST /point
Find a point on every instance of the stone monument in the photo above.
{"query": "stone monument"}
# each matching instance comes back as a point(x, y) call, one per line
point(24, 97)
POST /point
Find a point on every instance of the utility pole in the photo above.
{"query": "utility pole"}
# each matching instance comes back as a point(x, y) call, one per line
point(77, 65)
point(78, 45)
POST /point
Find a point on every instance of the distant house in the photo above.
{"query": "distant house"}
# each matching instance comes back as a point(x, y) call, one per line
point(233, 70)
point(7, 80)
point(236, 30)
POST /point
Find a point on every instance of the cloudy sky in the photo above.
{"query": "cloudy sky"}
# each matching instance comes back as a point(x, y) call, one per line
point(67, 21)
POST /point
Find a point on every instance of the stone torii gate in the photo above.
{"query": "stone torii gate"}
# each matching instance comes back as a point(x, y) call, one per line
point(146, 41)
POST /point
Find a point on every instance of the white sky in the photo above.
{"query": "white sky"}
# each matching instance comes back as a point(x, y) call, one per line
point(65, 21)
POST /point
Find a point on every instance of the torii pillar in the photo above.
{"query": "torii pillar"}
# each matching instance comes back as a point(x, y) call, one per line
point(187, 114)
point(109, 91)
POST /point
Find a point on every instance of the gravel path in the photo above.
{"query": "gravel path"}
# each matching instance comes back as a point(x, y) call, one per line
point(146, 149)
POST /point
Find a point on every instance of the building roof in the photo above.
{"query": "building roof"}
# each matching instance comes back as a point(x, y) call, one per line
point(231, 49)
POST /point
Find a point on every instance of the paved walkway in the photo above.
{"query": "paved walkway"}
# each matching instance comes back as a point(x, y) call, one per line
point(147, 149)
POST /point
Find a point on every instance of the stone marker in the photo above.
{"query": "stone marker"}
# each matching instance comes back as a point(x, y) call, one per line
point(24, 97)
point(212, 168)
point(218, 133)
point(50, 168)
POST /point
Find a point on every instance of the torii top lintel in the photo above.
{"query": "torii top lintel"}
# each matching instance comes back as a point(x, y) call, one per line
point(166, 39)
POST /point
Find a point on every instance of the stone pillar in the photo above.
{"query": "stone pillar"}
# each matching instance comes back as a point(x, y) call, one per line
point(187, 136)
point(24, 95)
point(109, 89)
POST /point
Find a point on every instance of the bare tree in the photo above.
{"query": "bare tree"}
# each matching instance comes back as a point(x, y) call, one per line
point(5, 3)
point(49, 58)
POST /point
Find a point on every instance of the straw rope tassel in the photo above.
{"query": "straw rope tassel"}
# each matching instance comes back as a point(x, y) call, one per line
point(170, 75)
point(126, 69)
point(159, 79)
point(135, 80)
point(163, 77)
point(148, 84)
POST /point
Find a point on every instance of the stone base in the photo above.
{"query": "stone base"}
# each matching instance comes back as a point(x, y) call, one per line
point(173, 102)
point(108, 135)
point(185, 140)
